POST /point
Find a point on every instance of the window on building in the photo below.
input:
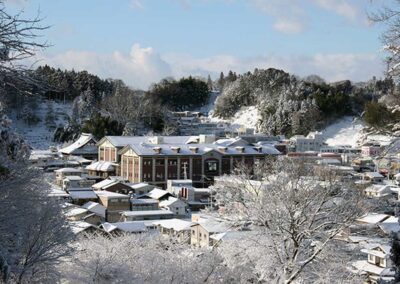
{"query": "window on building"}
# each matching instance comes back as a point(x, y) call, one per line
point(211, 166)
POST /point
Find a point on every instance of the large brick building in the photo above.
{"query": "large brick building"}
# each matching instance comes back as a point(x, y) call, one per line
point(158, 159)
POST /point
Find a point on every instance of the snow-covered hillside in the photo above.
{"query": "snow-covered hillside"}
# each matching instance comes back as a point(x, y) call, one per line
point(246, 117)
point(346, 131)
point(39, 136)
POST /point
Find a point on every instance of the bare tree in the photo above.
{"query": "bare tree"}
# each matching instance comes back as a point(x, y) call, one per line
point(390, 16)
point(144, 259)
point(298, 209)
point(124, 105)
point(33, 231)
point(18, 41)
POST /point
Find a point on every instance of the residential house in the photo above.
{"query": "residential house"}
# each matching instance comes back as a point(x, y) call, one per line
point(102, 169)
point(157, 194)
point(81, 196)
point(378, 191)
point(75, 182)
point(196, 198)
point(374, 177)
point(113, 185)
point(175, 205)
point(144, 204)
point(378, 266)
point(85, 147)
point(118, 228)
point(82, 228)
point(141, 188)
point(175, 228)
point(114, 203)
point(76, 214)
point(201, 232)
point(390, 225)
point(96, 208)
point(62, 173)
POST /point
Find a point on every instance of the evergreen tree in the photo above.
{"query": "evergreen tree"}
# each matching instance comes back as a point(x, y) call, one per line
point(209, 83)
point(221, 81)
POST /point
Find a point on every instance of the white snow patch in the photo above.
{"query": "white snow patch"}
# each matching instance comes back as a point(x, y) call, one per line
point(248, 117)
point(346, 131)
point(39, 136)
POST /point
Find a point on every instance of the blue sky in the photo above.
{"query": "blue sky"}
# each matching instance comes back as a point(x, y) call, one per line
point(142, 41)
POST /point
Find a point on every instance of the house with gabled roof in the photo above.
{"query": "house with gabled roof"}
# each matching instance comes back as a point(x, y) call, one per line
point(119, 228)
point(85, 147)
point(378, 265)
point(113, 185)
point(175, 205)
point(201, 232)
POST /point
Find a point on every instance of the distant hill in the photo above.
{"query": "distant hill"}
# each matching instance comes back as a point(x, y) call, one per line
point(289, 105)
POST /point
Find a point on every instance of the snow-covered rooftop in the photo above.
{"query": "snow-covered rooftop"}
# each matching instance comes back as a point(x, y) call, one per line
point(144, 201)
point(68, 170)
point(96, 208)
point(175, 224)
point(84, 139)
point(82, 195)
point(102, 166)
point(157, 193)
point(73, 178)
point(147, 213)
point(110, 194)
point(170, 201)
point(373, 218)
point(75, 211)
point(79, 226)
point(128, 227)
point(390, 225)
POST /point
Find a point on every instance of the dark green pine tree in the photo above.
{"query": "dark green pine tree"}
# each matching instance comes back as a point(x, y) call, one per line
point(209, 83)
point(221, 81)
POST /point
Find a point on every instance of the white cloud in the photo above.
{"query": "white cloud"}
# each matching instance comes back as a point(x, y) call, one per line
point(340, 7)
point(136, 4)
point(139, 68)
point(292, 16)
point(289, 26)
point(288, 15)
point(143, 65)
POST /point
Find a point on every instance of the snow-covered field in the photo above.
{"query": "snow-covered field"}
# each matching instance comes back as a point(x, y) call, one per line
point(346, 131)
point(39, 136)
